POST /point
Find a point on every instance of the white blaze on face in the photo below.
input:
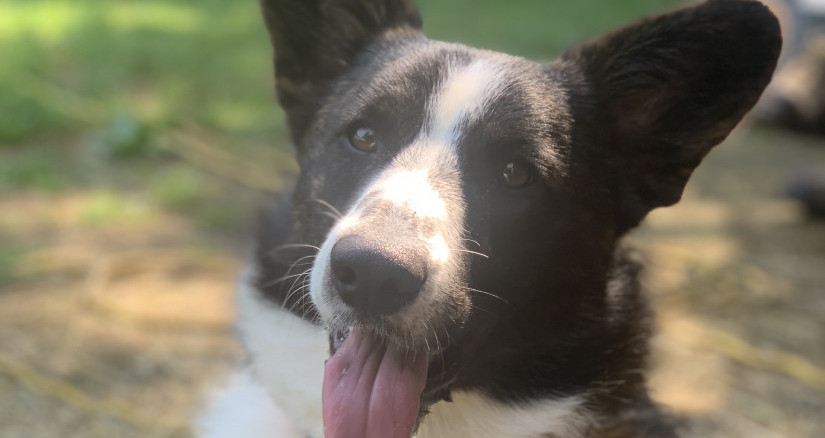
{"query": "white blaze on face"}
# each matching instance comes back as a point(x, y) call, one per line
point(347, 221)
point(412, 188)
point(463, 98)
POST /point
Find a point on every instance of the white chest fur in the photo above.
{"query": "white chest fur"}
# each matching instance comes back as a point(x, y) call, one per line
point(471, 414)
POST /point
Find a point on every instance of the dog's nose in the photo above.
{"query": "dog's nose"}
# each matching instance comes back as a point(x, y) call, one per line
point(373, 279)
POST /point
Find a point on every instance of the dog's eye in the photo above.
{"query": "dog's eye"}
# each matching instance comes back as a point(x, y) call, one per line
point(516, 174)
point(363, 139)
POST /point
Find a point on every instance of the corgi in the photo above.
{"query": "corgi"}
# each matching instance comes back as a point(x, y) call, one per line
point(450, 261)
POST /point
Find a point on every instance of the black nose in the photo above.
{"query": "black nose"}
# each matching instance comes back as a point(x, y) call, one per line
point(374, 279)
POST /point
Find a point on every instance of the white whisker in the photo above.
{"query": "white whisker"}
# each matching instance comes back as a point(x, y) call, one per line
point(472, 241)
point(488, 293)
point(471, 252)
point(282, 279)
point(295, 245)
point(336, 214)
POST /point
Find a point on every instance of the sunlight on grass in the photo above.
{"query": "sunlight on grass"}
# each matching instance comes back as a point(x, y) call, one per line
point(50, 20)
point(239, 117)
point(46, 21)
point(172, 18)
point(68, 65)
point(178, 188)
point(110, 208)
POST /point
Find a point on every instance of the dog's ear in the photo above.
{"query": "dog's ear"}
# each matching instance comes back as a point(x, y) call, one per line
point(317, 40)
point(664, 91)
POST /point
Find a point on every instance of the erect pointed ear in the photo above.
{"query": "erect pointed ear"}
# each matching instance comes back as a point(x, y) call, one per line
point(667, 89)
point(317, 40)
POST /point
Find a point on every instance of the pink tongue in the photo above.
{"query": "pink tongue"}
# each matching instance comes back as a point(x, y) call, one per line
point(372, 390)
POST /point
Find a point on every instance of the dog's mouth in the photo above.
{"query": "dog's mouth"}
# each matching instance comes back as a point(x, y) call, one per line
point(336, 338)
point(372, 387)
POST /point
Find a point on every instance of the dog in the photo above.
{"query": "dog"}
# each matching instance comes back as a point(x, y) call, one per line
point(452, 248)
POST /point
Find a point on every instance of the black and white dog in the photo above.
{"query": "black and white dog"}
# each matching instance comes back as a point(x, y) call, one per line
point(453, 239)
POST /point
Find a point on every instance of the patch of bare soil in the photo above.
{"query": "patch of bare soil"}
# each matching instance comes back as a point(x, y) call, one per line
point(121, 329)
point(109, 330)
point(738, 277)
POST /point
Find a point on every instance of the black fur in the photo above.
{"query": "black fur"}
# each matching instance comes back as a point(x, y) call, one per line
point(613, 129)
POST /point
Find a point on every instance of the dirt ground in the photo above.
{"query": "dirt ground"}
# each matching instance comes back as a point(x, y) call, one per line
point(119, 330)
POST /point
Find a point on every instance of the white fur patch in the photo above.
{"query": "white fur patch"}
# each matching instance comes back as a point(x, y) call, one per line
point(412, 189)
point(288, 355)
point(244, 409)
point(472, 415)
point(462, 98)
point(318, 278)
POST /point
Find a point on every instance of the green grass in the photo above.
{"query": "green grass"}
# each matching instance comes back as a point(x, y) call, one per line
point(537, 29)
point(70, 64)
point(36, 170)
point(108, 207)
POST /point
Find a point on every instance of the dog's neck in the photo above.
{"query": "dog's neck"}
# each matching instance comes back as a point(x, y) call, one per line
point(609, 350)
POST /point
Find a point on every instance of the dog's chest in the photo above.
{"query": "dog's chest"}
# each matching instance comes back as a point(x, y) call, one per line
point(473, 415)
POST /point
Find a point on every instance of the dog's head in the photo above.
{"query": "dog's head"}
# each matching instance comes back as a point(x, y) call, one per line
point(449, 187)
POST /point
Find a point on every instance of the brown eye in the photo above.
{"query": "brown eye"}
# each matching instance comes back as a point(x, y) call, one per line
point(363, 139)
point(516, 174)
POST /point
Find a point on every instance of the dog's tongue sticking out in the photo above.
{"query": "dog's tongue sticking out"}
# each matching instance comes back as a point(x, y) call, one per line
point(372, 390)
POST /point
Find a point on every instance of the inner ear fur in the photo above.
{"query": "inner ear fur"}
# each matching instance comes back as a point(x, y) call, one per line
point(317, 40)
point(667, 89)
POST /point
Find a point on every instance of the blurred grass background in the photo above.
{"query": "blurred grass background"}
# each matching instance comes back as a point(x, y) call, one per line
point(137, 137)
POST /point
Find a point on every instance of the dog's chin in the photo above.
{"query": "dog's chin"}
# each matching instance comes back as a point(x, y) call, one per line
point(432, 345)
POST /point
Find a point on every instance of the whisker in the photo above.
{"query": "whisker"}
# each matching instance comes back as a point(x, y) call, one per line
point(295, 290)
point(411, 343)
point(334, 210)
point(305, 273)
point(475, 307)
point(296, 262)
point(471, 252)
point(488, 293)
point(449, 342)
point(437, 343)
point(330, 215)
point(446, 333)
point(295, 245)
point(426, 329)
point(282, 279)
point(472, 241)
point(302, 300)
point(306, 298)
point(300, 286)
